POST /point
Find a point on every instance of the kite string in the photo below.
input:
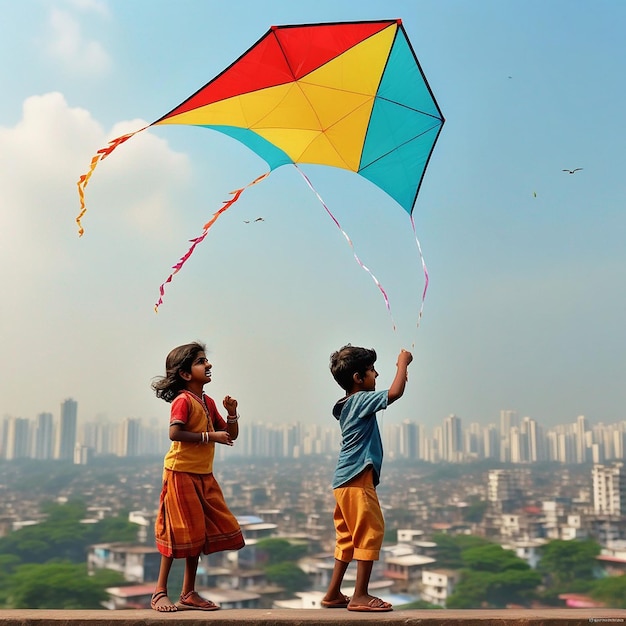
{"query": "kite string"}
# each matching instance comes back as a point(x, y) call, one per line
point(424, 268)
point(194, 242)
point(84, 178)
point(343, 232)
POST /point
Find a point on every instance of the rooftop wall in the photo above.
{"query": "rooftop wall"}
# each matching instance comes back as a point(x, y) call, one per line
point(337, 617)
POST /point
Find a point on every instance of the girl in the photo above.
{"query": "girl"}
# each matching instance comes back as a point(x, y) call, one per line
point(193, 517)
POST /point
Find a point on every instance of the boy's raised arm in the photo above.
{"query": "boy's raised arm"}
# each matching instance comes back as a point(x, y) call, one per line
point(399, 382)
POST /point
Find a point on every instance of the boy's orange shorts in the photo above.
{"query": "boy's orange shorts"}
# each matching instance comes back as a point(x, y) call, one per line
point(359, 523)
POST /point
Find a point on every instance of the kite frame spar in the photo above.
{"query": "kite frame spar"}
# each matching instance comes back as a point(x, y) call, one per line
point(372, 67)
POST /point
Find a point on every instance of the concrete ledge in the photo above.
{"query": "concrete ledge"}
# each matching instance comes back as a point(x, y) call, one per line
point(286, 617)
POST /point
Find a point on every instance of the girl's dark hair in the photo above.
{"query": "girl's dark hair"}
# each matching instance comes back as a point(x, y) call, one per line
point(348, 361)
point(178, 360)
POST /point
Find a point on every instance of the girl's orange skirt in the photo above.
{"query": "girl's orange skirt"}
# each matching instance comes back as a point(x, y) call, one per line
point(193, 517)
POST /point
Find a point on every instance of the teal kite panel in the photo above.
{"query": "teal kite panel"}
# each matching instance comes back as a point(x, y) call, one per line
point(272, 155)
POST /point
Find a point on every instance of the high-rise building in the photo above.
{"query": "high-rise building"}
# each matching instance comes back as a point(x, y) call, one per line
point(491, 442)
point(436, 453)
point(66, 432)
point(44, 436)
point(566, 447)
point(17, 441)
point(409, 440)
point(508, 420)
point(473, 446)
point(452, 439)
point(532, 440)
point(517, 445)
point(129, 437)
point(581, 439)
point(609, 489)
point(619, 443)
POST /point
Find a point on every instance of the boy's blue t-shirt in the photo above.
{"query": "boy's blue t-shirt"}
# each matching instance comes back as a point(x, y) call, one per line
point(361, 444)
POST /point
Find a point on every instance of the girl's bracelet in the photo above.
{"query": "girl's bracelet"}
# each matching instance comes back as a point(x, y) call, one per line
point(230, 419)
point(205, 437)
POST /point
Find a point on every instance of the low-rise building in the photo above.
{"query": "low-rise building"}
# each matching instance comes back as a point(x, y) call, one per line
point(136, 563)
point(406, 569)
point(438, 585)
point(528, 550)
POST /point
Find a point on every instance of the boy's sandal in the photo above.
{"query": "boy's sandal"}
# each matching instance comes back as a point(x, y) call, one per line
point(161, 603)
point(193, 601)
point(339, 603)
point(375, 605)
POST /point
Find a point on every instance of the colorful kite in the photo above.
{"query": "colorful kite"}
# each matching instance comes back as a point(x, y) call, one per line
point(350, 95)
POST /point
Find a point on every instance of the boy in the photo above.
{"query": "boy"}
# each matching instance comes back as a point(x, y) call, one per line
point(358, 518)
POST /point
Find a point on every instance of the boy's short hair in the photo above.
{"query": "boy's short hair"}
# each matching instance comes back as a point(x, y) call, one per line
point(348, 361)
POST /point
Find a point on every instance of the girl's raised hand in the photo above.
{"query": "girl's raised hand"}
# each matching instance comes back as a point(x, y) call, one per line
point(230, 404)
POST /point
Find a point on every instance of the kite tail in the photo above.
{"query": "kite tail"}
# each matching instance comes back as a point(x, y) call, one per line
point(343, 232)
point(84, 179)
point(194, 242)
point(419, 249)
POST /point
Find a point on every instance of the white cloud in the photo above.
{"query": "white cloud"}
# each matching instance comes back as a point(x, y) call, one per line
point(42, 157)
point(56, 284)
point(70, 46)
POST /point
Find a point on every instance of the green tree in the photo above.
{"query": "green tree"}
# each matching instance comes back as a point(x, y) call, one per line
point(514, 586)
point(112, 529)
point(281, 550)
point(450, 547)
point(493, 577)
point(74, 510)
point(566, 562)
point(475, 511)
point(471, 591)
point(58, 586)
point(63, 536)
point(8, 564)
point(492, 558)
point(287, 575)
point(281, 567)
point(611, 591)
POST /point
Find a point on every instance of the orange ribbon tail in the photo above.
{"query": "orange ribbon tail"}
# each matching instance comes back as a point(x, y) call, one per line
point(84, 179)
point(194, 242)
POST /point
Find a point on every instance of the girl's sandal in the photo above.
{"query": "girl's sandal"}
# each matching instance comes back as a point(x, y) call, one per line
point(193, 601)
point(161, 603)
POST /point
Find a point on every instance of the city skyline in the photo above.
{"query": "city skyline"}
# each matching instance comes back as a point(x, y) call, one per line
point(511, 439)
point(394, 414)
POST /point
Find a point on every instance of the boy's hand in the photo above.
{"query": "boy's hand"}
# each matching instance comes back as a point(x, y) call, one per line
point(397, 386)
point(222, 436)
point(230, 404)
point(404, 358)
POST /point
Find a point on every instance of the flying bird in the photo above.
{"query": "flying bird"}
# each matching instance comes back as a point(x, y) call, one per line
point(574, 170)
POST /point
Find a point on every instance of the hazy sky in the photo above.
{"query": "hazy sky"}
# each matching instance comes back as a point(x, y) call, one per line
point(527, 263)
